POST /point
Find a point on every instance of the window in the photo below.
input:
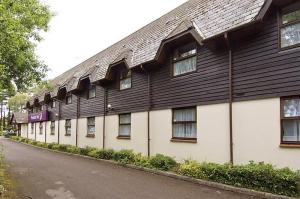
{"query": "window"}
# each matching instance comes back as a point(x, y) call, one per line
point(52, 127)
point(290, 29)
point(92, 92)
point(125, 81)
point(185, 123)
point(53, 104)
point(32, 128)
point(68, 127)
point(290, 120)
point(69, 99)
point(91, 126)
point(184, 59)
point(41, 128)
point(125, 125)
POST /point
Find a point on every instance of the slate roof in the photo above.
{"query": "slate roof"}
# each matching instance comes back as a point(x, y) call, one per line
point(20, 118)
point(208, 17)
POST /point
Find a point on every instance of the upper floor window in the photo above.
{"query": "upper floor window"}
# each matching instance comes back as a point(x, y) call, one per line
point(290, 120)
point(92, 92)
point(185, 59)
point(68, 127)
point(290, 28)
point(185, 123)
point(53, 104)
point(91, 126)
point(52, 127)
point(69, 99)
point(125, 125)
point(125, 80)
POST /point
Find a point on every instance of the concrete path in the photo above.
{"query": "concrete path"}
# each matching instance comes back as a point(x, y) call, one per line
point(48, 175)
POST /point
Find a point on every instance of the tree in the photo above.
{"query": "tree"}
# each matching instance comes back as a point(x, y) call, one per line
point(21, 22)
point(18, 102)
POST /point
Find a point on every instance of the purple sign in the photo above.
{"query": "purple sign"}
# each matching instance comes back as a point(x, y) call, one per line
point(38, 117)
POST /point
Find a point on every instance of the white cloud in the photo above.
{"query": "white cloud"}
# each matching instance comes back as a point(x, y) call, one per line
point(82, 28)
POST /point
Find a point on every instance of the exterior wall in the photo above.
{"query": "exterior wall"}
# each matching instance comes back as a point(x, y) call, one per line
point(63, 139)
point(92, 107)
point(138, 140)
point(24, 129)
point(83, 140)
point(256, 133)
point(40, 136)
point(212, 135)
point(51, 138)
point(69, 111)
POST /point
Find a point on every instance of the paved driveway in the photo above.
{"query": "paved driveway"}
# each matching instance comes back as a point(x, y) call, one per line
point(45, 175)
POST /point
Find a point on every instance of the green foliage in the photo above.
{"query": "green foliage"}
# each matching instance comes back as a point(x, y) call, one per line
point(257, 176)
point(18, 102)
point(86, 150)
point(21, 22)
point(102, 154)
point(141, 161)
point(162, 162)
point(55, 147)
point(73, 149)
point(124, 156)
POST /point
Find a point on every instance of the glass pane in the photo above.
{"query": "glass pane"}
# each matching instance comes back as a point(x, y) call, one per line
point(125, 130)
point(292, 108)
point(185, 130)
point(291, 130)
point(184, 51)
point(290, 35)
point(91, 129)
point(125, 119)
point(92, 93)
point(91, 121)
point(125, 83)
point(68, 123)
point(290, 17)
point(183, 115)
point(185, 66)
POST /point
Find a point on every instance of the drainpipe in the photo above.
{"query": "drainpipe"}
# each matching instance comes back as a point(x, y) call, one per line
point(230, 88)
point(45, 131)
point(35, 131)
point(78, 115)
point(59, 117)
point(104, 115)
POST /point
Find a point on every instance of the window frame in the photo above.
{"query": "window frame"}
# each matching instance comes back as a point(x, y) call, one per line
point(92, 87)
point(120, 124)
point(52, 128)
point(66, 131)
point(128, 75)
point(32, 128)
point(41, 127)
point(69, 95)
point(282, 119)
point(186, 139)
point(88, 134)
point(53, 104)
point(182, 59)
point(280, 15)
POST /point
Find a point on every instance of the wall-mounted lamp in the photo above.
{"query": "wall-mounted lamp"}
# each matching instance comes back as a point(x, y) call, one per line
point(109, 107)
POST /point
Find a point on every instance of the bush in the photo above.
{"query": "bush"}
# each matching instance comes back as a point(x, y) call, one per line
point(102, 154)
point(73, 149)
point(55, 147)
point(162, 162)
point(124, 156)
point(86, 150)
point(257, 176)
point(42, 144)
point(141, 161)
point(50, 145)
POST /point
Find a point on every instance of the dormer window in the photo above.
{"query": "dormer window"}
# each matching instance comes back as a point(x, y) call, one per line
point(69, 99)
point(92, 92)
point(290, 28)
point(185, 59)
point(125, 80)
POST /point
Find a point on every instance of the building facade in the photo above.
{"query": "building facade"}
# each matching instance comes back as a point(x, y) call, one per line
point(211, 81)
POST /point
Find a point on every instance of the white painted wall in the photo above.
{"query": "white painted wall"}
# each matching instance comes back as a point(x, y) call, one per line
point(40, 136)
point(138, 140)
point(212, 135)
point(52, 138)
point(63, 139)
point(83, 140)
point(256, 133)
point(24, 130)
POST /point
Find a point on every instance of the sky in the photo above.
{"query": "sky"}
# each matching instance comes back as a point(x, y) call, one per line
point(82, 28)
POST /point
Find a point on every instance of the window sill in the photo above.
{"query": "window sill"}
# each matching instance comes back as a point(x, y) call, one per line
point(90, 136)
point(184, 140)
point(68, 135)
point(124, 137)
point(52, 134)
point(289, 145)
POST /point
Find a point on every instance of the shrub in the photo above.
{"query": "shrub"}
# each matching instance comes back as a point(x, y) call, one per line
point(124, 156)
point(141, 161)
point(42, 144)
point(162, 162)
point(258, 176)
point(102, 154)
point(34, 143)
point(55, 147)
point(63, 147)
point(86, 150)
point(50, 145)
point(73, 149)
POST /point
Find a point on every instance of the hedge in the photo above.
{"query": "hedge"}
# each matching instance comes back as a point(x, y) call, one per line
point(256, 176)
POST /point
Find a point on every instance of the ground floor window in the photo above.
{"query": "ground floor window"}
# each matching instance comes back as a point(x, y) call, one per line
point(32, 128)
point(125, 125)
point(68, 127)
point(52, 127)
point(185, 123)
point(41, 128)
point(290, 120)
point(91, 130)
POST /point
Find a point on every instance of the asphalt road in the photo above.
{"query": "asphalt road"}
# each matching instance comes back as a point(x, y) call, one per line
point(44, 174)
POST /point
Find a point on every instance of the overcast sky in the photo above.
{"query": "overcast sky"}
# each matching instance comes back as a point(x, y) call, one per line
point(82, 28)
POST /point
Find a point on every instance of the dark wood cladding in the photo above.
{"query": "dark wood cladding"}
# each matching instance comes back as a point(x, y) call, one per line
point(94, 106)
point(134, 99)
point(53, 112)
point(262, 69)
point(69, 111)
point(209, 84)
